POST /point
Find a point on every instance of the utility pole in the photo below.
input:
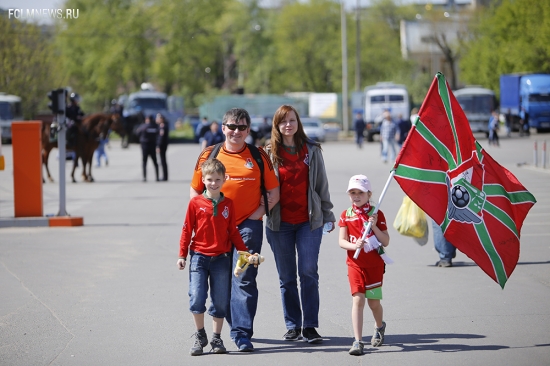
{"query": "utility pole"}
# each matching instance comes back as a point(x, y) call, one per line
point(58, 130)
point(345, 117)
point(357, 48)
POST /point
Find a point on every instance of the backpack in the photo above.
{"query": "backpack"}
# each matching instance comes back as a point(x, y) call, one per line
point(256, 156)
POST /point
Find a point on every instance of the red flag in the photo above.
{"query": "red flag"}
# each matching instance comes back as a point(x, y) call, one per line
point(479, 204)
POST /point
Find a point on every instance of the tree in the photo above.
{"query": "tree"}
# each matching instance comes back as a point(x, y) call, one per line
point(381, 58)
point(107, 50)
point(26, 64)
point(307, 47)
point(513, 37)
point(188, 53)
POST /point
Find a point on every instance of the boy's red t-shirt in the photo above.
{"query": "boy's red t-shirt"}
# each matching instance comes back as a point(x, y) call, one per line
point(213, 234)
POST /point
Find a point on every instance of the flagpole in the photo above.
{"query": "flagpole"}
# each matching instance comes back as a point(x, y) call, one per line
point(368, 229)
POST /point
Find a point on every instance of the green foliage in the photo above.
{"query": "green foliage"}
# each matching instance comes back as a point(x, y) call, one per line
point(26, 64)
point(203, 48)
point(108, 47)
point(513, 37)
point(306, 48)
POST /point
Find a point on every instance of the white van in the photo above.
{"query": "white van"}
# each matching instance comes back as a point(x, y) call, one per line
point(478, 104)
point(382, 96)
point(10, 110)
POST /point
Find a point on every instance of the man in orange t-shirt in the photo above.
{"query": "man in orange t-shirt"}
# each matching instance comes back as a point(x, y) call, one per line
point(243, 187)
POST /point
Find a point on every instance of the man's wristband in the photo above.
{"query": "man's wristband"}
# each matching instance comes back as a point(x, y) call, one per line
point(185, 259)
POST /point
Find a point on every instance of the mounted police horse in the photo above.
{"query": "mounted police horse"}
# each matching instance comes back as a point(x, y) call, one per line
point(84, 142)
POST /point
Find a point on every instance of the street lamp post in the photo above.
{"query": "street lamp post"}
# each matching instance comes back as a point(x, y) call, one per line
point(345, 121)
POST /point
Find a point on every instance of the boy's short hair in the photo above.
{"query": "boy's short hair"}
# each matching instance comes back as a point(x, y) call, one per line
point(213, 166)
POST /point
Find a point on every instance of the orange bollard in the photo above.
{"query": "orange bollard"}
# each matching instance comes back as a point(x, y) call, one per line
point(27, 168)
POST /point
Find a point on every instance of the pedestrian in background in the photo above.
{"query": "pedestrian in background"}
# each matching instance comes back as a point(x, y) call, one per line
point(403, 127)
point(213, 136)
point(162, 143)
point(446, 250)
point(414, 115)
point(294, 228)
point(365, 274)
point(508, 120)
point(359, 126)
point(201, 129)
point(100, 151)
point(148, 134)
point(388, 130)
point(493, 129)
point(208, 233)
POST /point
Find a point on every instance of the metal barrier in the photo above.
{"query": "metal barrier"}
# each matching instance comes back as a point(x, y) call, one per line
point(542, 154)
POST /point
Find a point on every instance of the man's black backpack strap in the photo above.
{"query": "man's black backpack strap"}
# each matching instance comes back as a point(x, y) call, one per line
point(258, 158)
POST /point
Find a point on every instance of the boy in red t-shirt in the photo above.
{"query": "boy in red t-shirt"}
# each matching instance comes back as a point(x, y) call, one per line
point(211, 216)
point(366, 272)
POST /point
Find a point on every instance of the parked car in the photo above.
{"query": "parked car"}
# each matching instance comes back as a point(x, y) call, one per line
point(313, 127)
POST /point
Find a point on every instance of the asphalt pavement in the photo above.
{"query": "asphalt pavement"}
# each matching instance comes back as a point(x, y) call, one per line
point(109, 292)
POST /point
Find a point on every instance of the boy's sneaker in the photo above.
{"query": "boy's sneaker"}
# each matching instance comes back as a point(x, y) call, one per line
point(200, 342)
point(310, 335)
point(293, 335)
point(217, 346)
point(378, 337)
point(356, 349)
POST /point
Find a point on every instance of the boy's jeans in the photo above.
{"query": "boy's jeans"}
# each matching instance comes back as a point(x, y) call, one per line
point(244, 291)
point(218, 270)
point(286, 243)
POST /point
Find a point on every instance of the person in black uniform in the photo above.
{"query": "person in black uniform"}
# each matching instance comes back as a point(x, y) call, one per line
point(74, 119)
point(148, 133)
point(162, 144)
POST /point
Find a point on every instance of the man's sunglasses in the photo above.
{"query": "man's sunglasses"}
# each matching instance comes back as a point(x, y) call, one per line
point(233, 127)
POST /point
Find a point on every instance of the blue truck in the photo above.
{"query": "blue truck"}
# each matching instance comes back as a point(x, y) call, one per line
point(527, 98)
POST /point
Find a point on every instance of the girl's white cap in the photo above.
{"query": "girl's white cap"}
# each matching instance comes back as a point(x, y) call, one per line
point(360, 182)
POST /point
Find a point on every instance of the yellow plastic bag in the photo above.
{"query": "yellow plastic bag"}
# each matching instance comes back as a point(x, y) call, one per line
point(411, 220)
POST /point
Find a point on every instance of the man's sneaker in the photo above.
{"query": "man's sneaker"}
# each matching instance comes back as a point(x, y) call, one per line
point(293, 335)
point(356, 349)
point(200, 342)
point(310, 335)
point(244, 344)
point(444, 263)
point(378, 337)
point(217, 346)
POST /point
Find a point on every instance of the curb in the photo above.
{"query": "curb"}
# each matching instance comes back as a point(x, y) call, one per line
point(55, 221)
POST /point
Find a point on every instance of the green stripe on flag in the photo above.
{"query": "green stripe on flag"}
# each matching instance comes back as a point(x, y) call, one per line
point(494, 257)
point(502, 216)
point(441, 148)
point(446, 100)
point(479, 151)
point(421, 175)
point(514, 197)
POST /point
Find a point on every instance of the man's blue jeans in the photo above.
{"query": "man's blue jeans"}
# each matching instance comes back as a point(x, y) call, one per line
point(244, 290)
point(286, 243)
point(217, 271)
point(445, 249)
point(388, 144)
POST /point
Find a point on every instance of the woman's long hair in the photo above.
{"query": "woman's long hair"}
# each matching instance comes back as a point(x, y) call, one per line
point(300, 137)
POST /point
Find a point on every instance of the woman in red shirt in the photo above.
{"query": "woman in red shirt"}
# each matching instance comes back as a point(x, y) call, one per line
point(295, 225)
